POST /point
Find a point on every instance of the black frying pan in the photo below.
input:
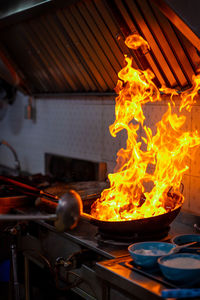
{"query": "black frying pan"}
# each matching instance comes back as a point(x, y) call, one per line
point(145, 225)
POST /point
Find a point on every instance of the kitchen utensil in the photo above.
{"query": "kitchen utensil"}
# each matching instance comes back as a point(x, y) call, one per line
point(181, 267)
point(34, 190)
point(89, 191)
point(146, 254)
point(67, 212)
point(178, 248)
point(188, 238)
point(135, 226)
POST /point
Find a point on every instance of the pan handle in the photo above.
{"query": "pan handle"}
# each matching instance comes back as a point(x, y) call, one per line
point(87, 218)
point(28, 187)
point(53, 205)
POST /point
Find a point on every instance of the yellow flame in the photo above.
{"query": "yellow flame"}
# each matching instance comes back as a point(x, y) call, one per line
point(188, 97)
point(135, 41)
point(159, 159)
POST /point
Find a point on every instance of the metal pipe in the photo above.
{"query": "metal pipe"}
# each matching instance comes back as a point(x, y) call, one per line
point(26, 271)
point(17, 162)
point(67, 212)
point(15, 275)
point(73, 95)
point(11, 217)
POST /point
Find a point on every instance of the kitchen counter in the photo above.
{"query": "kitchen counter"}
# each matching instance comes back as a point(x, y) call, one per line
point(112, 279)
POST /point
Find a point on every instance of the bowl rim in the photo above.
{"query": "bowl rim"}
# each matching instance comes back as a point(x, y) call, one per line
point(171, 256)
point(189, 234)
point(150, 242)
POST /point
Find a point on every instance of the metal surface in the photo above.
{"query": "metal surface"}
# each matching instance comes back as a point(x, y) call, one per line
point(120, 280)
point(124, 280)
point(101, 95)
point(183, 17)
point(9, 7)
point(73, 170)
point(11, 217)
point(17, 162)
point(67, 212)
point(78, 48)
point(112, 278)
point(24, 187)
point(84, 235)
point(89, 191)
point(26, 277)
point(14, 270)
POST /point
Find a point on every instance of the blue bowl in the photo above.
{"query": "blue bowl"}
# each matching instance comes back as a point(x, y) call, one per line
point(146, 254)
point(180, 271)
point(187, 238)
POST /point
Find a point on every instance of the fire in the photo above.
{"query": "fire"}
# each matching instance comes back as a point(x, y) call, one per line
point(158, 160)
point(188, 97)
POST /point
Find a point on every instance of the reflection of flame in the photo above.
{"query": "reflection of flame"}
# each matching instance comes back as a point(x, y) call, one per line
point(162, 161)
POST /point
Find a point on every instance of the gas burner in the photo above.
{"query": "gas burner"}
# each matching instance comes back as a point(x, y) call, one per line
point(115, 239)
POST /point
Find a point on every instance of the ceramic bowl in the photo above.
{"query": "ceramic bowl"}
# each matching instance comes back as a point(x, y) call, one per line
point(181, 267)
point(146, 254)
point(187, 238)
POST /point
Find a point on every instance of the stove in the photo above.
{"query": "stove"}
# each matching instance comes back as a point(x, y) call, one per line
point(128, 281)
point(104, 265)
point(117, 239)
point(92, 263)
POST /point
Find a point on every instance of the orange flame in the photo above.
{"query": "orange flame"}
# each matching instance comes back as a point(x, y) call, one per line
point(188, 97)
point(158, 160)
point(135, 41)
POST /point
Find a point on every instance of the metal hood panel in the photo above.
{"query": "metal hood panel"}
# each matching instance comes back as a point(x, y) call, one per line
point(78, 47)
point(184, 14)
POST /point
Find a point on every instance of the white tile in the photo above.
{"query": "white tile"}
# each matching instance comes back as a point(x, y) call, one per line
point(186, 192)
point(195, 155)
point(110, 166)
point(195, 194)
point(153, 114)
point(71, 128)
point(110, 144)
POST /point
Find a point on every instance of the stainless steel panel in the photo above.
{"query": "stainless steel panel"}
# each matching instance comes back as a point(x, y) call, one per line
point(79, 47)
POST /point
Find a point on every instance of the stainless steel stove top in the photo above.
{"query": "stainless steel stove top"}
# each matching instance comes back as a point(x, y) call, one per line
point(109, 264)
point(86, 234)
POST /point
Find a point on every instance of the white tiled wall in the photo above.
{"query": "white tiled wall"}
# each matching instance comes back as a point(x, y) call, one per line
point(69, 127)
point(79, 128)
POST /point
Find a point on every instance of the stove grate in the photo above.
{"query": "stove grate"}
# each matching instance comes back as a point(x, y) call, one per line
point(116, 239)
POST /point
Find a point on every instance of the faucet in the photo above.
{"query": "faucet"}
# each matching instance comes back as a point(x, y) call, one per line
point(17, 163)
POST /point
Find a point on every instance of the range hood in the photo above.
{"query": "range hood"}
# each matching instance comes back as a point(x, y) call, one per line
point(58, 47)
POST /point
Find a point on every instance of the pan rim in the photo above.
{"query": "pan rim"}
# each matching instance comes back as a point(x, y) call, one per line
point(133, 220)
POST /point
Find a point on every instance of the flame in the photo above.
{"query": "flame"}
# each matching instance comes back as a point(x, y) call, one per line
point(188, 97)
point(159, 160)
